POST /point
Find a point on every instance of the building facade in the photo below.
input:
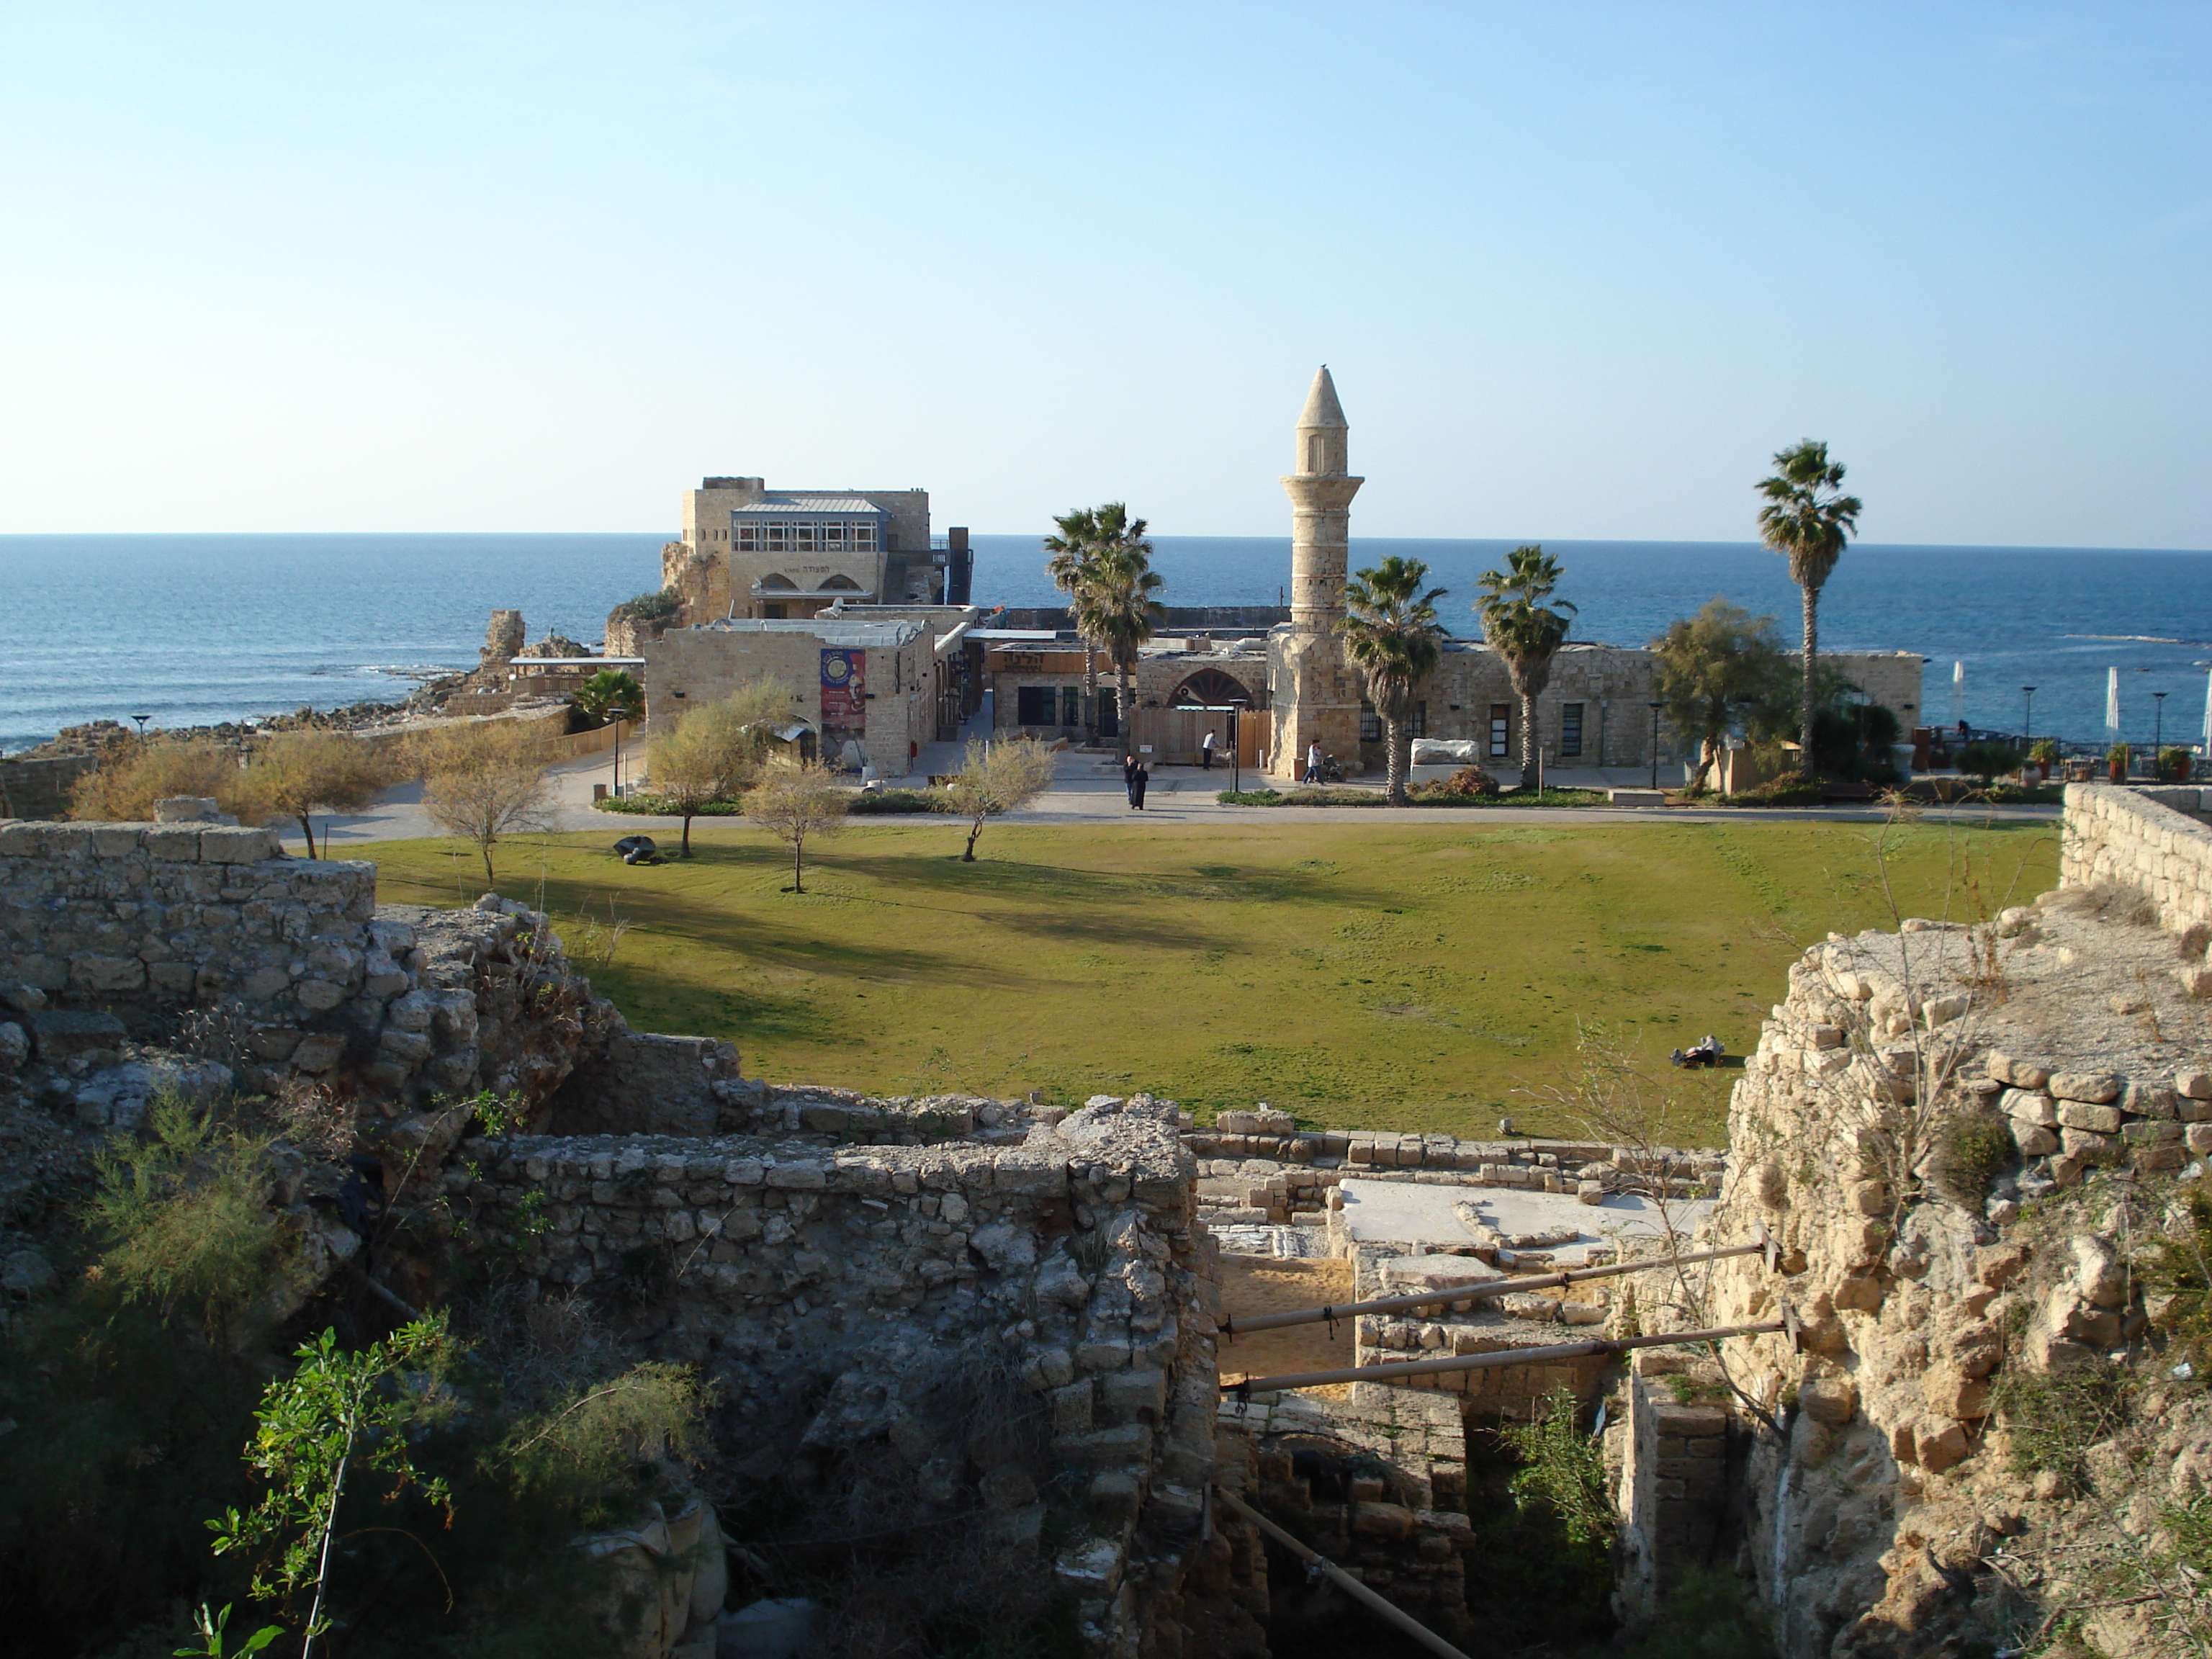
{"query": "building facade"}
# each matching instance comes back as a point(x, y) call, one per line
point(748, 552)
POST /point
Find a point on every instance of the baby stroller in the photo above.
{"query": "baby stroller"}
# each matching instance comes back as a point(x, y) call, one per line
point(1330, 772)
point(1706, 1054)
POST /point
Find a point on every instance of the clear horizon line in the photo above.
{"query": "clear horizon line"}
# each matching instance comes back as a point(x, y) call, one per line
point(1277, 535)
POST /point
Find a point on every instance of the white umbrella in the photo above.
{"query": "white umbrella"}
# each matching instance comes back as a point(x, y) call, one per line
point(2112, 700)
point(2208, 714)
point(1957, 692)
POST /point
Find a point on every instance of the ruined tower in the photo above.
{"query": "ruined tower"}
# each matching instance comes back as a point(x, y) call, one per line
point(1312, 688)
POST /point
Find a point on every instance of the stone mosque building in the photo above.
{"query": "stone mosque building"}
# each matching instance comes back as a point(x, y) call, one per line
point(1298, 686)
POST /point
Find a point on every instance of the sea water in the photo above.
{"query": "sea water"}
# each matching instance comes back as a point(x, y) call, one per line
point(193, 629)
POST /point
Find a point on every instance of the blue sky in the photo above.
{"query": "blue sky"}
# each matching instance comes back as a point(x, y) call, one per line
point(1579, 269)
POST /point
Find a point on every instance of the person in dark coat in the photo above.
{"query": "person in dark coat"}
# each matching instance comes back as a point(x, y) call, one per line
point(1141, 778)
point(1129, 779)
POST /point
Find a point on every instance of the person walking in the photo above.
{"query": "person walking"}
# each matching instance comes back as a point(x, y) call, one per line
point(1205, 753)
point(1129, 779)
point(1314, 758)
point(1139, 779)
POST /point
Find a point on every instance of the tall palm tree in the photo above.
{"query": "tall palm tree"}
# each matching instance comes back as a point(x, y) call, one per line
point(1116, 607)
point(1084, 535)
point(1391, 633)
point(1807, 519)
point(1525, 632)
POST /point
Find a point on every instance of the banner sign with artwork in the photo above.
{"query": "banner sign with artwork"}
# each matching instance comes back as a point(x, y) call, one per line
point(844, 688)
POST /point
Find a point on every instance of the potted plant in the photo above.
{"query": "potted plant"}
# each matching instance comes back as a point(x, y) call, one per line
point(2175, 763)
point(2043, 751)
point(2116, 762)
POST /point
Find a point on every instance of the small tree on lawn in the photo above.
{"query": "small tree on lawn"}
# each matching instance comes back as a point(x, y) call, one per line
point(482, 780)
point(294, 775)
point(997, 777)
point(713, 752)
point(797, 804)
point(1720, 660)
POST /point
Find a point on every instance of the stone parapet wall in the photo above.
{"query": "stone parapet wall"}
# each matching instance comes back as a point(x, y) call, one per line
point(178, 913)
point(40, 787)
point(2158, 842)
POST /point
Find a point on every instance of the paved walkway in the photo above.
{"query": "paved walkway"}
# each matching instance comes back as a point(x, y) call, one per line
point(1087, 786)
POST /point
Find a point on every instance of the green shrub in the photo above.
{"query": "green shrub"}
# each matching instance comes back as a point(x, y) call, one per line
point(2175, 763)
point(186, 1219)
point(659, 806)
point(2180, 1267)
point(900, 800)
point(649, 607)
point(1986, 760)
point(1974, 1148)
point(2119, 754)
point(2053, 1420)
point(2043, 751)
point(1562, 1469)
point(1782, 792)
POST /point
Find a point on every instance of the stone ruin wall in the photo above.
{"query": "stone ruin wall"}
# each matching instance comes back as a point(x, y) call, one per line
point(1866, 1521)
point(2158, 842)
point(825, 1284)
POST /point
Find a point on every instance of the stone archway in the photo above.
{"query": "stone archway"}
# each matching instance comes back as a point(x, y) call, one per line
point(1211, 688)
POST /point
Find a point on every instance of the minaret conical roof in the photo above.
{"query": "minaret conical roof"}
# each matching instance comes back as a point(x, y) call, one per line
point(1321, 407)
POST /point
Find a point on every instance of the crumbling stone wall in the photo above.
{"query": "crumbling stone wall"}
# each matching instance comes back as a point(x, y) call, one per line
point(2158, 842)
point(822, 1283)
point(291, 970)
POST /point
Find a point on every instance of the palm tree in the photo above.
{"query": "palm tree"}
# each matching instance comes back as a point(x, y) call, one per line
point(1085, 535)
point(1391, 632)
point(1807, 519)
point(1115, 606)
point(1069, 567)
point(1526, 633)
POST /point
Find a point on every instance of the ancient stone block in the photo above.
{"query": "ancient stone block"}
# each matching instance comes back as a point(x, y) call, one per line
point(317, 1054)
point(2029, 1106)
point(2095, 1088)
point(104, 973)
point(2078, 1115)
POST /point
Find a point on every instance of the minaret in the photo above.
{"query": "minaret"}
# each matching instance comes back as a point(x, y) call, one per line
point(1316, 694)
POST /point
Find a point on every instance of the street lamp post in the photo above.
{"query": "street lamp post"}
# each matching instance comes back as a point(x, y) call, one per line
point(1237, 748)
point(1656, 707)
point(620, 714)
point(2158, 726)
point(142, 719)
point(2026, 715)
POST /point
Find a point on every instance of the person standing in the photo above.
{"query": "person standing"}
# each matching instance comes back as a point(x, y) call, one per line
point(1314, 758)
point(1129, 779)
point(1205, 753)
point(1139, 779)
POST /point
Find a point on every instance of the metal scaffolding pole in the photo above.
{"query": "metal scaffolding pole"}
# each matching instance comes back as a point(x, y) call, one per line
point(1344, 1581)
point(1235, 1328)
point(1392, 1370)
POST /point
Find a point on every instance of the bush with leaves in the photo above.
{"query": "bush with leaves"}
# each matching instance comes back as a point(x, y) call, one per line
point(296, 775)
point(131, 776)
point(1562, 1470)
point(797, 804)
point(996, 777)
point(1986, 761)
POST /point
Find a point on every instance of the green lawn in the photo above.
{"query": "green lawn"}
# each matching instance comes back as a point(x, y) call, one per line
point(1356, 975)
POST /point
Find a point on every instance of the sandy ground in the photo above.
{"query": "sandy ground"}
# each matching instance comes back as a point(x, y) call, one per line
point(1252, 1285)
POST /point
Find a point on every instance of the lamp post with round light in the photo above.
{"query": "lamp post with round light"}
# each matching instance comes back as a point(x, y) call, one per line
point(142, 719)
point(2158, 726)
point(1656, 707)
point(2026, 715)
point(620, 715)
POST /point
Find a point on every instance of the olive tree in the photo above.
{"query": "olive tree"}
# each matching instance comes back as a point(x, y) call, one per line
point(797, 804)
point(997, 777)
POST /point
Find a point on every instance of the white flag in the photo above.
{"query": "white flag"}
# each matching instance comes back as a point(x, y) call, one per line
point(1957, 692)
point(2208, 714)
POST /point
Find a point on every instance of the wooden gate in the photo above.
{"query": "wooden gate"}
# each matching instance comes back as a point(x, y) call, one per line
point(1174, 735)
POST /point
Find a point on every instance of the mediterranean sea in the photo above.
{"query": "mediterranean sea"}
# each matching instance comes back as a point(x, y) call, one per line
point(194, 629)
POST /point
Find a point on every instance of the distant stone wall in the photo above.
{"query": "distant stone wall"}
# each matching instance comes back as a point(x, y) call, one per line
point(40, 788)
point(2157, 841)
